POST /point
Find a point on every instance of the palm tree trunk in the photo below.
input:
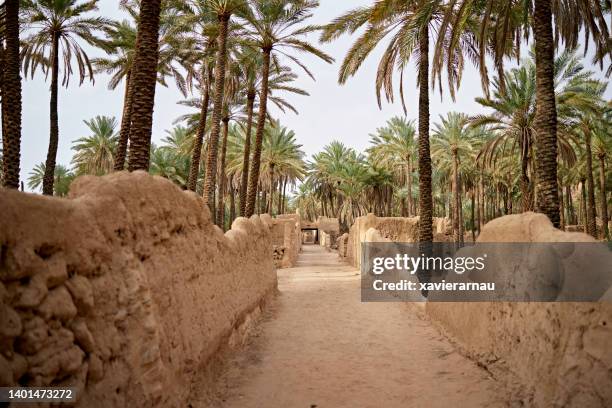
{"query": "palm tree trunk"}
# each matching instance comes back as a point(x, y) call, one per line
point(272, 186)
point(525, 183)
point(196, 156)
point(126, 122)
point(3, 129)
point(261, 123)
point(232, 213)
point(456, 203)
point(251, 93)
point(49, 176)
point(571, 214)
point(285, 195)
point(213, 139)
point(144, 79)
point(259, 193)
point(602, 192)
point(425, 192)
point(460, 211)
point(481, 202)
point(591, 212)
point(473, 215)
point(546, 113)
point(281, 189)
point(561, 208)
point(477, 193)
point(11, 98)
point(221, 195)
point(264, 200)
point(584, 214)
point(410, 203)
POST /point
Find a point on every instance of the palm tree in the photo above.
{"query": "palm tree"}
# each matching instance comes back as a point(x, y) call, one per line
point(407, 23)
point(273, 26)
point(55, 28)
point(514, 112)
point(602, 144)
point(224, 10)
point(571, 18)
point(121, 47)
point(545, 122)
point(94, 154)
point(143, 78)
point(324, 175)
point(62, 179)
point(501, 26)
point(199, 20)
point(251, 60)
point(395, 146)
point(306, 202)
point(11, 96)
point(281, 157)
point(452, 141)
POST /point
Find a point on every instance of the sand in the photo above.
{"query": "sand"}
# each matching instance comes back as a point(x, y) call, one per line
point(319, 346)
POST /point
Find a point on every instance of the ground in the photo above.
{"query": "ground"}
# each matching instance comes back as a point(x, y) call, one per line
point(319, 346)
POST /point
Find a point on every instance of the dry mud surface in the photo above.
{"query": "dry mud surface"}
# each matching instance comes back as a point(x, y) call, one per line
point(319, 346)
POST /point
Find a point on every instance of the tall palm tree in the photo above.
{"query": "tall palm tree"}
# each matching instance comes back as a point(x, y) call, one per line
point(452, 141)
point(571, 17)
point(545, 122)
point(395, 146)
point(56, 27)
point(11, 97)
point(143, 78)
point(324, 174)
point(407, 23)
point(224, 10)
point(514, 112)
point(275, 25)
point(513, 108)
point(121, 47)
point(281, 157)
point(502, 23)
point(251, 60)
point(205, 26)
point(94, 154)
point(602, 145)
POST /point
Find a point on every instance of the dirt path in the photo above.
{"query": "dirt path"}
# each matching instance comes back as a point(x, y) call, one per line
point(321, 347)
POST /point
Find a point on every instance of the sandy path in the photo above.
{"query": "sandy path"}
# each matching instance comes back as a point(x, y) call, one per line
point(321, 347)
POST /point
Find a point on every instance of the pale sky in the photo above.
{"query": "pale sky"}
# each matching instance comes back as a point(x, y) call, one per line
point(347, 113)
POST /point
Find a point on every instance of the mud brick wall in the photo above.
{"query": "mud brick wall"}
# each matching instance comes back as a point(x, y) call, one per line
point(126, 290)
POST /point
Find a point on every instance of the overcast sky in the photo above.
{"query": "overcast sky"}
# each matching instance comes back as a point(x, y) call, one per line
point(347, 113)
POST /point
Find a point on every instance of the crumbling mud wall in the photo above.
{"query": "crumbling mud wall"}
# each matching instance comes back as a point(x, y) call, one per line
point(126, 290)
point(552, 354)
point(286, 238)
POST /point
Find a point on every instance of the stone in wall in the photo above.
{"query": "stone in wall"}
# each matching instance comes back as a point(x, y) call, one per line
point(125, 291)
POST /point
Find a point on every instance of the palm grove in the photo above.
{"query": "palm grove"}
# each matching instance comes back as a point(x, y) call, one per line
point(541, 143)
